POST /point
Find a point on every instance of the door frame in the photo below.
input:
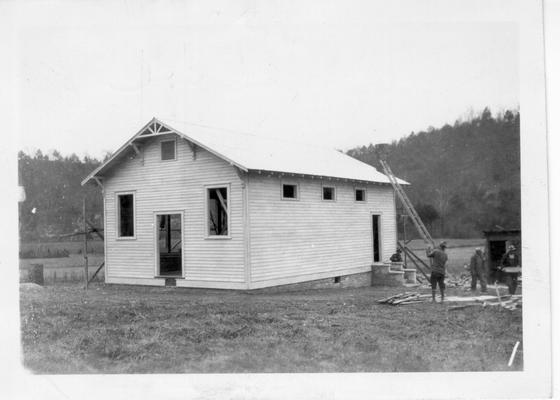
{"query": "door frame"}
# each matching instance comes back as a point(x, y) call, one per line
point(379, 236)
point(156, 240)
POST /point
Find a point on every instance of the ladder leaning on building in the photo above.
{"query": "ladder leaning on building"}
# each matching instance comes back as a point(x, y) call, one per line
point(411, 211)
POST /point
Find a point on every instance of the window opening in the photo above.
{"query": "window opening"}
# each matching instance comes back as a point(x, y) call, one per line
point(126, 215)
point(289, 191)
point(328, 193)
point(218, 211)
point(360, 195)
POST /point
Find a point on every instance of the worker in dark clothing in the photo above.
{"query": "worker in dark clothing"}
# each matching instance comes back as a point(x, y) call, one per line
point(438, 269)
point(397, 257)
point(478, 270)
point(511, 260)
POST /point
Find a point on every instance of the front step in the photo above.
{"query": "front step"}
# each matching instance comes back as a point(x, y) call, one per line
point(383, 275)
point(410, 275)
point(170, 282)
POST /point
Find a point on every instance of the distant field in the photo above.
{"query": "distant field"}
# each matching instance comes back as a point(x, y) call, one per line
point(73, 247)
point(74, 260)
point(132, 329)
point(459, 252)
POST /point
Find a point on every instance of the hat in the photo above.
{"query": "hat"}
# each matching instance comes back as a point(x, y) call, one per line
point(443, 245)
point(511, 247)
point(478, 249)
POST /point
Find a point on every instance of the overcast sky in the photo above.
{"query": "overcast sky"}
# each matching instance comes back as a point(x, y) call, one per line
point(343, 73)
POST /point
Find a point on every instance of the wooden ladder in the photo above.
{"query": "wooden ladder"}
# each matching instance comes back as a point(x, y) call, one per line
point(407, 204)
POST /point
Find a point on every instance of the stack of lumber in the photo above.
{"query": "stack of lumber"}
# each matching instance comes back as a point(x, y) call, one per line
point(404, 298)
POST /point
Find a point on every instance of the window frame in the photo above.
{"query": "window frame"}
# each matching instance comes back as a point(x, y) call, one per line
point(118, 209)
point(207, 234)
point(364, 200)
point(289, 183)
point(174, 140)
point(333, 187)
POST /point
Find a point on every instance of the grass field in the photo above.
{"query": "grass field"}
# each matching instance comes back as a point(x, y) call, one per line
point(128, 329)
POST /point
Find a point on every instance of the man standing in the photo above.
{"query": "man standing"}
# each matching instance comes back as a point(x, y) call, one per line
point(511, 265)
point(478, 270)
point(438, 269)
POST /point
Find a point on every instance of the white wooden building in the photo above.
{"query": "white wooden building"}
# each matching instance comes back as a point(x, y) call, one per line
point(219, 209)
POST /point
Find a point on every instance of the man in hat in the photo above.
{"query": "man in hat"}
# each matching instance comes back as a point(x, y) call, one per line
point(511, 259)
point(397, 257)
point(478, 270)
point(438, 269)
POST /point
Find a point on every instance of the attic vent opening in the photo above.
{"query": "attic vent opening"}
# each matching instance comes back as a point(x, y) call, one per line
point(168, 151)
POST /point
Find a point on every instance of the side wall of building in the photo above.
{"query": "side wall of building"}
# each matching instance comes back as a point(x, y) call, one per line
point(309, 238)
point(175, 186)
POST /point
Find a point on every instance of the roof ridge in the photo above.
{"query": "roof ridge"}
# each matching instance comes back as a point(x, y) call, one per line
point(252, 134)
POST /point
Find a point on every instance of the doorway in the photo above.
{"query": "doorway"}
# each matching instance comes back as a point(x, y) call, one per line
point(169, 244)
point(376, 237)
point(496, 250)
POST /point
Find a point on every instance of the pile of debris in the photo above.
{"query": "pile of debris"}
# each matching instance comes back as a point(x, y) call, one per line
point(461, 281)
point(512, 303)
point(508, 302)
point(404, 298)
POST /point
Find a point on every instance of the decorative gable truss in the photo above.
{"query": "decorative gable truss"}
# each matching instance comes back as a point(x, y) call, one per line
point(154, 128)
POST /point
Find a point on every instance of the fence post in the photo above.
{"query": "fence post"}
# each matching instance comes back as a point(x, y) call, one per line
point(85, 247)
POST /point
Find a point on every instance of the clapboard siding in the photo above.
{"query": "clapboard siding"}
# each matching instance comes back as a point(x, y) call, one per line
point(311, 236)
point(178, 185)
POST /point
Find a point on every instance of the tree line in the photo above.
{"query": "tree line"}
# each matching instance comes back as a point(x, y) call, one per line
point(464, 178)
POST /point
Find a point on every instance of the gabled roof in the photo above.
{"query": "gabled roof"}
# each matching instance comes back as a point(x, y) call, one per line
point(250, 152)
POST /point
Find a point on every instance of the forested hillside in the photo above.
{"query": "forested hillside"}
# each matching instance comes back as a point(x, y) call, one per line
point(464, 178)
point(54, 195)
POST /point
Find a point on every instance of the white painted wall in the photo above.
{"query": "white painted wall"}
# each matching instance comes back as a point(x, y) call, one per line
point(288, 241)
point(175, 186)
point(294, 241)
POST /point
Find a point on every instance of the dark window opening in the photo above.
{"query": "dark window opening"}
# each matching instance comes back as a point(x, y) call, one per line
point(360, 195)
point(289, 191)
point(218, 212)
point(337, 279)
point(168, 150)
point(328, 193)
point(126, 215)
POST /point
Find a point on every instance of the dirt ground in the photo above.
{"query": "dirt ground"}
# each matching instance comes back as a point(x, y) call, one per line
point(128, 329)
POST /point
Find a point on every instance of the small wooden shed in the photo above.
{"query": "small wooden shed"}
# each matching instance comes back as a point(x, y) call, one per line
point(497, 242)
point(210, 208)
